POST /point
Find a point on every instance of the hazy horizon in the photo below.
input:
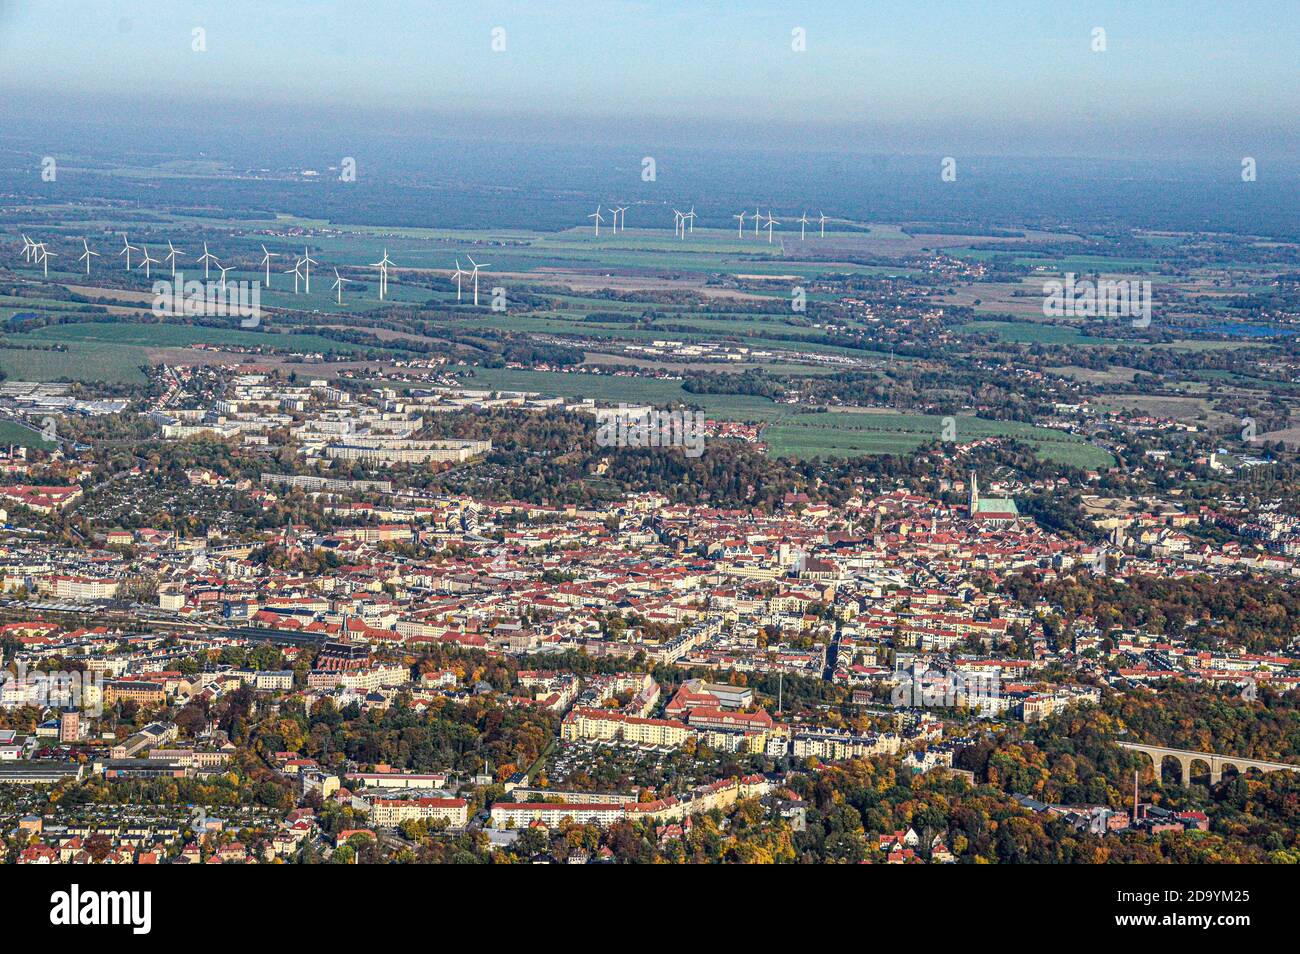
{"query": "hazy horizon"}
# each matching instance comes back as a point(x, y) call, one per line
point(1216, 81)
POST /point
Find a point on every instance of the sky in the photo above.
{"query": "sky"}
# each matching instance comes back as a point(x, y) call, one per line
point(991, 77)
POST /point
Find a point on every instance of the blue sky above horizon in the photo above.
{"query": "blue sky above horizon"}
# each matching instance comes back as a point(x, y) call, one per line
point(1000, 75)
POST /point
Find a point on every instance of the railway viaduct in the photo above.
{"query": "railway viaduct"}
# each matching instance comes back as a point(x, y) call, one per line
point(1215, 762)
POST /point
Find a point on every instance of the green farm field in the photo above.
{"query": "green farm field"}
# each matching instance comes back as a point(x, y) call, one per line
point(849, 435)
point(86, 362)
point(165, 335)
point(13, 433)
point(792, 434)
point(1017, 332)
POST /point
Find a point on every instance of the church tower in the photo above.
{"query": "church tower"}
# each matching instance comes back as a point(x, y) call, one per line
point(974, 494)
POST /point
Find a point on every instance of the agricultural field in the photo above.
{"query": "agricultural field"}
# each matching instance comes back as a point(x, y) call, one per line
point(598, 358)
point(12, 432)
point(1022, 299)
point(791, 433)
point(1016, 332)
point(748, 333)
point(1115, 374)
point(606, 387)
point(1185, 409)
point(88, 362)
point(167, 335)
point(850, 435)
point(1034, 333)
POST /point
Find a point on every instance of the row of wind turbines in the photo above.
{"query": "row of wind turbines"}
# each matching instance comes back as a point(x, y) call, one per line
point(684, 222)
point(38, 253)
point(803, 221)
point(619, 214)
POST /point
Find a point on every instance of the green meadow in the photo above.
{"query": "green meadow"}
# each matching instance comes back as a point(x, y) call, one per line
point(168, 335)
point(1017, 332)
point(790, 433)
point(847, 435)
point(12, 433)
point(87, 362)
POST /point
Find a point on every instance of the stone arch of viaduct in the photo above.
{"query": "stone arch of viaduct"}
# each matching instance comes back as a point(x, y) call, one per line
point(1216, 762)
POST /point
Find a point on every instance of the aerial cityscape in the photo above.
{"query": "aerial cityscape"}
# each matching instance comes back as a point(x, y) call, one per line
point(645, 460)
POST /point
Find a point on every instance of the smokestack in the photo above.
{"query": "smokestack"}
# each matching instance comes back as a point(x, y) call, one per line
point(1135, 796)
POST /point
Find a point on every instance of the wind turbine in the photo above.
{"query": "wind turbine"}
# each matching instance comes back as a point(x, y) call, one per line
point(206, 259)
point(44, 257)
point(172, 252)
point(597, 216)
point(266, 263)
point(29, 249)
point(308, 262)
point(224, 269)
point(456, 276)
point(620, 212)
point(691, 215)
point(474, 275)
point(770, 222)
point(127, 249)
point(677, 222)
point(822, 222)
point(85, 256)
point(740, 229)
point(297, 274)
point(338, 284)
point(757, 215)
point(803, 223)
point(147, 261)
point(382, 265)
